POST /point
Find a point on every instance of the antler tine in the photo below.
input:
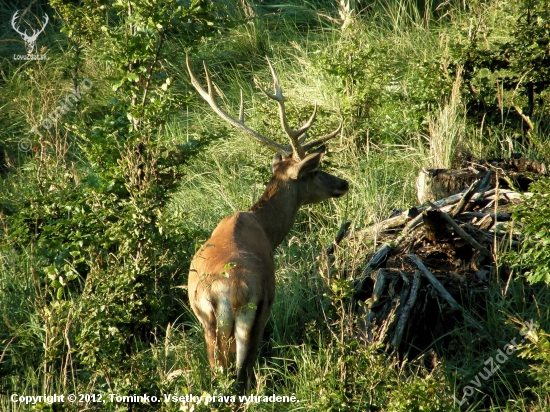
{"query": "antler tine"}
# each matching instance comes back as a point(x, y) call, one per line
point(297, 148)
point(209, 97)
point(46, 20)
point(15, 16)
point(323, 139)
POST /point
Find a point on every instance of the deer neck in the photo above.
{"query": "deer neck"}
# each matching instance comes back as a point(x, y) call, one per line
point(276, 210)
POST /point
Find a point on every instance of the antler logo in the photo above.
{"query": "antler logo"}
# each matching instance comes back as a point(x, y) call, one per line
point(30, 40)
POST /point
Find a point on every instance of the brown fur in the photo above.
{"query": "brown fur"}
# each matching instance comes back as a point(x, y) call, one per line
point(232, 276)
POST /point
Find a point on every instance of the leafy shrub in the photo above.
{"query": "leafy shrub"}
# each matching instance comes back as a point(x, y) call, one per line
point(520, 64)
point(107, 255)
point(538, 349)
point(533, 216)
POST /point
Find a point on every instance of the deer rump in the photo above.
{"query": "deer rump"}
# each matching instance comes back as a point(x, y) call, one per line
point(231, 289)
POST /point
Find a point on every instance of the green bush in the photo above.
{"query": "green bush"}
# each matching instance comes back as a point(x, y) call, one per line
point(532, 217)
point(107, 255)
point(509, 75)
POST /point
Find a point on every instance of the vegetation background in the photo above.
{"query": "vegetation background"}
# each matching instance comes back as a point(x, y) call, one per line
point(102, 208)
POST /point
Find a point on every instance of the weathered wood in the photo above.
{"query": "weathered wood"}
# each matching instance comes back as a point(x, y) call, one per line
point(485, 182)
point(410, 226)
point(468, 195)
point(460, 258)
point(516, 172)
point(434, 225)
point(339, 236)
point(510, 195)
point(500, 216)
point(378, 288)
point(464, 235)
point(443, 292)
point(375, 261)
point(377, 292)
point(396, 341)
point(451, 200)
point(433, 184)
point(379, 256)
point(390, 223)
point(443, 204)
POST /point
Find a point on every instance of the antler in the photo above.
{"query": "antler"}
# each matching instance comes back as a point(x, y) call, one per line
point(298, 149)
point(36, 33)
point(15, 16)
point(239, 124)
point(297, 137)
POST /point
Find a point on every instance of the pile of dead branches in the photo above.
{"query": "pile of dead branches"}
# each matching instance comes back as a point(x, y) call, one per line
point(435, 260)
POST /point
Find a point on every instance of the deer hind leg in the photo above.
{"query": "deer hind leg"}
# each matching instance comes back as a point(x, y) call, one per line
point(249, 328)
point(219, 336)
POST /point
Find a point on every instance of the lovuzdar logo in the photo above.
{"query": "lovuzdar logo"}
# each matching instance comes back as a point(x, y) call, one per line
point(23, 27)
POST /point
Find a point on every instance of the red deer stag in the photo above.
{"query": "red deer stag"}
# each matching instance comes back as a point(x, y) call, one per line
point(232, 276)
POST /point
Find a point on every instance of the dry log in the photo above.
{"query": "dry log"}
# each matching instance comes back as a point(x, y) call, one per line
point(378, 289)
point(375, 261)
point(410, 226)
point(510, 195)
point(433, 184)
point(465, 235)
point(465, 198)
point(396, 341)
point(451, 200)
point(479, 185)
point(499, 216)
point(485, 183)
point(390, 223)
point(485, 222)
point(380, 256)
point(401, 302)
point(517, 173)
point(443, 292)
point(396, 221)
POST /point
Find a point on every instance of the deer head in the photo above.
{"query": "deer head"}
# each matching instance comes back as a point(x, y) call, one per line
point(29, 40)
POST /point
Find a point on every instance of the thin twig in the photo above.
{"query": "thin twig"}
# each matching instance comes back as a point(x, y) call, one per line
point(339, 236)
point(6, 348)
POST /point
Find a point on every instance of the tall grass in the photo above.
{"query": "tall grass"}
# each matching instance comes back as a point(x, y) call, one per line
point(446, 129)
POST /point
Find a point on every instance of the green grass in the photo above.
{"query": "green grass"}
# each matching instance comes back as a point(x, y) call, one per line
point(386, 101)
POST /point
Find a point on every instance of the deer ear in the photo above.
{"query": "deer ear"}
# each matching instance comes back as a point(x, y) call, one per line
point(276, 159)
point(308, 164)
